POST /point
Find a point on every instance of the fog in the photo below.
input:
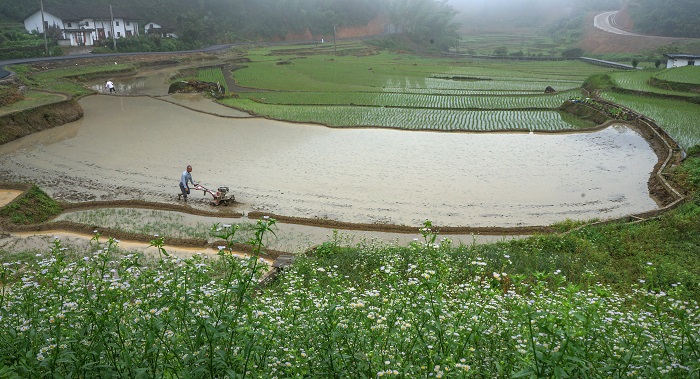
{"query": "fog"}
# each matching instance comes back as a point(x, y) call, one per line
point(505, 14)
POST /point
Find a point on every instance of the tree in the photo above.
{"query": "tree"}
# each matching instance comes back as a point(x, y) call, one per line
point(425, 21)
point(635, 62)
point(657, 63)
point(572, 53)
point(500, 51)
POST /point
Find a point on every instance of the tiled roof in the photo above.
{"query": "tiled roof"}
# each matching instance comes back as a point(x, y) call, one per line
point(79, 12)
point(688, 56)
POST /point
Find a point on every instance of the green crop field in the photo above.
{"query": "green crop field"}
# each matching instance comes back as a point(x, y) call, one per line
point(405, 91)
point(416, 118)
point(410, 100)
point(32, 99)
point(211, 75)
point(384, 70)
point(678, 118)
point(687, 74)
point(638, 80)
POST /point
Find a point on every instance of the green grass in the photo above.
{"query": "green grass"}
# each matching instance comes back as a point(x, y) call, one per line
point(66, 80)
point(31, 208)
point(678, 118)
point(534, 309)
point(31, 99)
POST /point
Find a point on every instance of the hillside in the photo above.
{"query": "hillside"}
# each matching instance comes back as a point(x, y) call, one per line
point(669, 18)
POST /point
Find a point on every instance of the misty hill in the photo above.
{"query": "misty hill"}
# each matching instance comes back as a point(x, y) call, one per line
point(509, 15)
point(671, 18)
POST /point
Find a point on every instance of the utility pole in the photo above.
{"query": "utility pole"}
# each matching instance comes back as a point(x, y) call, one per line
point(335, 50)
point(43, 26)
point(114, 37)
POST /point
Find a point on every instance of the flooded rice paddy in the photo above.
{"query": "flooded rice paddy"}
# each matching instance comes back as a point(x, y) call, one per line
point(135, 147)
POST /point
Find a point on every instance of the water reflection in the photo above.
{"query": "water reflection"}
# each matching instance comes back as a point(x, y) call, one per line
point(129, 86)
point(133, 147)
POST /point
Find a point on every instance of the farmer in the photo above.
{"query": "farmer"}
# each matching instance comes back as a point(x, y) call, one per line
point(186, 177)
point(110, 86)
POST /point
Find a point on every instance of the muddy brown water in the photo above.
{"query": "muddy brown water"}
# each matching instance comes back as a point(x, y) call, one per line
point(136, 148)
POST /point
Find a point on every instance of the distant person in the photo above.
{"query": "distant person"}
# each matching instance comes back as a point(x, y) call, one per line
point(322, 41)
point(110, 86)
point(184, 179)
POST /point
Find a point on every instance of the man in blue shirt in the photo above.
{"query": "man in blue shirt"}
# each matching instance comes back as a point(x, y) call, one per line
point(184, 179)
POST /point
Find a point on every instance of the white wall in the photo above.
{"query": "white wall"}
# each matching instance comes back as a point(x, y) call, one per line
point(680, 62)
point(33, 22)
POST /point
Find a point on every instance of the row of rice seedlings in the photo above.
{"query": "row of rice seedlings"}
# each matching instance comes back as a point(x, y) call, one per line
point(638, 80)
point(212, 75)
point(687, 74)
point(319, 73)
point(678, 118)
point(501, 84)
point(461, 92)
point(412, 118)
point(412, 100)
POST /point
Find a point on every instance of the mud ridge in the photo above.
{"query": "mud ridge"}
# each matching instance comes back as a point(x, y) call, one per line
point(73, 227)
point(142, 204)
point(332, 224)
point(19, 124)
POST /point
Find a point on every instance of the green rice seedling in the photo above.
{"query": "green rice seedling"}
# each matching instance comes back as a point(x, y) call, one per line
point(410, 100)
point(638, 80)
point(678, 118)
point(687, 74)
point(416, 118)
point(212, 75)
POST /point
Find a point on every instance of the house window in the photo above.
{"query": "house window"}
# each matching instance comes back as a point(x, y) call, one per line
point(128, 23)
point(119, 34)
point(70, 25)
point(117, 23)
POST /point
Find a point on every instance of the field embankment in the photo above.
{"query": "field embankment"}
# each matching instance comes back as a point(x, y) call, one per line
point(23, 123)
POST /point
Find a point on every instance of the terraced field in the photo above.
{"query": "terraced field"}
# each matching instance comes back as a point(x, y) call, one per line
point(401, 91)
point(687, 74)
point(678, 118)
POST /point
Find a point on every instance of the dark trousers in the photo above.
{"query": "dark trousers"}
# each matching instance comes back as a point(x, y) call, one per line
point(185, 191)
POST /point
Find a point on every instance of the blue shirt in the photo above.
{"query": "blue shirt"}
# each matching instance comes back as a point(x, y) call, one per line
point(186, 177)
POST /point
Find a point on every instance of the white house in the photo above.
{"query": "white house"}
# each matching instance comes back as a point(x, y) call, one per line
point(679, 60)
point(83, 25)
point(159, 29)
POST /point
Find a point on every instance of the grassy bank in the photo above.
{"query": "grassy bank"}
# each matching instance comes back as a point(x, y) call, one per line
point(537, 308)
point(32, 207)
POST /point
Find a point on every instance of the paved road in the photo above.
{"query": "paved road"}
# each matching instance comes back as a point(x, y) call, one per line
point(4, 72)
point(606, 22)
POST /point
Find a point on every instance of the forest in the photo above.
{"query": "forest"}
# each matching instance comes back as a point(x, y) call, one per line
point(213, 21)
point(671, 18)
